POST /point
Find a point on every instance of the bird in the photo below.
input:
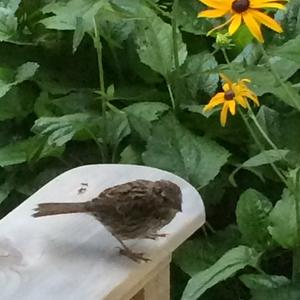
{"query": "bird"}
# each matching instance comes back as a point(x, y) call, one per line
point(133, 210)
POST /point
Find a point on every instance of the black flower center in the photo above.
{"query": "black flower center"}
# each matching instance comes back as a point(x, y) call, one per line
point(229, 95)
point(240, 6)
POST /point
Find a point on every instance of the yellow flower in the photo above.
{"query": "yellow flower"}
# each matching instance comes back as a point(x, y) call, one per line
point(248, 11)
point(233, 93)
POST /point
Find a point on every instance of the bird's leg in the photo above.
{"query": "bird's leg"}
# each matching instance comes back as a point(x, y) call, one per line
point(154, 236)
point(137, 257)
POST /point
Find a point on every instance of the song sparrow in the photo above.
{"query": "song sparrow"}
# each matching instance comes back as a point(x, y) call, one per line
point(136, 209)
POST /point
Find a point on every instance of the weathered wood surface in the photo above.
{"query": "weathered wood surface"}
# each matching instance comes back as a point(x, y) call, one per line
point(73, 257)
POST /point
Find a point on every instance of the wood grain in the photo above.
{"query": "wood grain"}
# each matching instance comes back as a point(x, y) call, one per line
point(73, 257)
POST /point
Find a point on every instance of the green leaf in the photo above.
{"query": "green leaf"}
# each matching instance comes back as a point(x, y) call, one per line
point(174, 148)
point(231, 262)
point(24, 72)
point(289, 50)
point(141, 115)
point(61, 130)
point(8, 20)
point(252, 213)
point(66, 14)
point(198, 254)
point(200, 73)
point(155, 45)
point(27, 150)
point(5, 190)
point(283, 226)
point(118, 127)
point(263, 281)
point(263, 82)
point(187, 18)
point(265, 157)
point(131, 155)
point(17, 103)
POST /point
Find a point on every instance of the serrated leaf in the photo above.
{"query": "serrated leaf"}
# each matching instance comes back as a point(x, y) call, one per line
point(66, 14)
point(231, 262)
point(155, 45)
point(61, 130)
point(186, 16)
point(198, 254)
point(8, 20)
point(198, 159)
point(283, 226)
point(252, 214)
point(200, 73)
point(141, 115)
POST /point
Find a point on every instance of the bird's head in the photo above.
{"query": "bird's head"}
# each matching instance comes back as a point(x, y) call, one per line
point(171, 193)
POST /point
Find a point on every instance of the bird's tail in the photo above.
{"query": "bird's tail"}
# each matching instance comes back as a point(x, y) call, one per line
point(48, 209)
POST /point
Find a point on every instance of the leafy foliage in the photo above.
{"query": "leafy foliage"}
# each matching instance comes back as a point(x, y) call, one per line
point(231, 262)
point(252, 213)
point(194, 158)
point(125, 81)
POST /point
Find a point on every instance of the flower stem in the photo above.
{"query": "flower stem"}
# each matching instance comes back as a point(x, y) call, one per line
point(174, 33)
point(274, 167)
point(98, 47)
point(175, 54)
point(260, 129)
point(295, 188)
point(171, 95)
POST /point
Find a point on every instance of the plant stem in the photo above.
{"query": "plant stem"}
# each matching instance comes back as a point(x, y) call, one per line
point(227, 59)
point(260, 129)
point(98, 46)
point(278, 78)
point(175, 52)
point(296, 253)
point(274, 167)
point(171, 95)
point(174, 33)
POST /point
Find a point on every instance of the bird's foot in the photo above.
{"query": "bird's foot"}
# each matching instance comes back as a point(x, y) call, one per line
point(135, 256)
point(155, 236)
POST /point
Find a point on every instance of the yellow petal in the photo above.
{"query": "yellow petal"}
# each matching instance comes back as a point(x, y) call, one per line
point(267, 5)
point(245, 80)
point(266, 20)
point(254, 2)
point(223, 115)
point(241, 101)
point(211, 13)
point(235, 24)
point(253, 26)
point(214, 101)
point(216, 4)
point(253, 97)
point(226, 87)
point(231, 105)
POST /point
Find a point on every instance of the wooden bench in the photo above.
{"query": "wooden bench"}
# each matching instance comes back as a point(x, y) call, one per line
point(73, 257)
